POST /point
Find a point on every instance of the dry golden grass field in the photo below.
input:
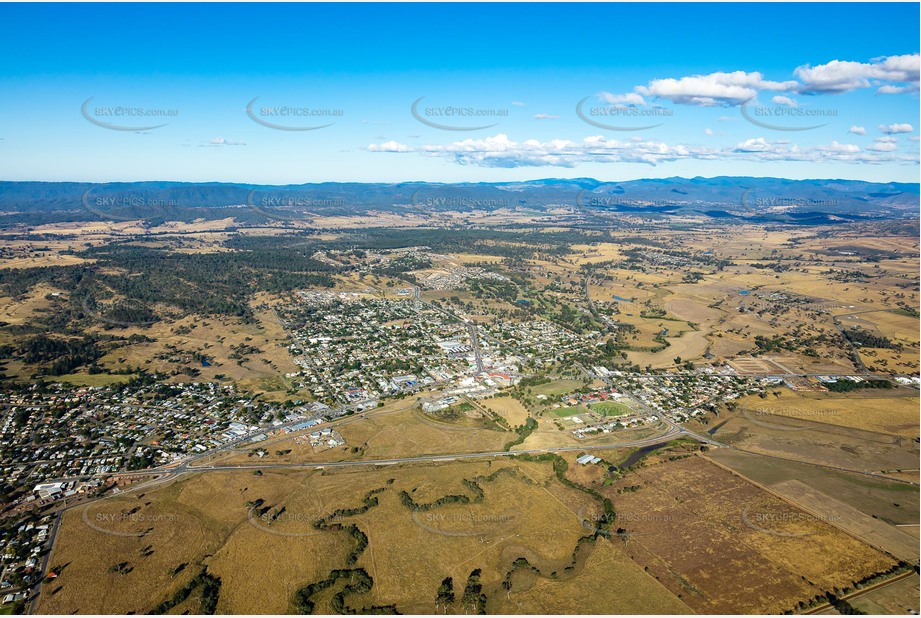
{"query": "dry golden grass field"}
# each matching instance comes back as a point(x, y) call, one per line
point(895, 414)
point(204, 522)
point(508, 408)
point(726, 546)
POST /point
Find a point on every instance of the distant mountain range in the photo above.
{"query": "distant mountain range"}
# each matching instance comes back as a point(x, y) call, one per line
point(744, 198)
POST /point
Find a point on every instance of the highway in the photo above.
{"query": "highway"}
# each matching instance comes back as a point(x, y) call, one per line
point(671, 434)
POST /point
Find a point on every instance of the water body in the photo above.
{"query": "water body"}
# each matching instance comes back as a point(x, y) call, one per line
point(623, 300)
point(638, 454)
point(744, 292)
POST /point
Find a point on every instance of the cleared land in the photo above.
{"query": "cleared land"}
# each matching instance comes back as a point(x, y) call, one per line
point(262, 563)
point(726, 546)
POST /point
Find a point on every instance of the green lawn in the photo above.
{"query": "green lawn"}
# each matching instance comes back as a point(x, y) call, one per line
point(6, 610)
point(567, 412)
point(609, 408)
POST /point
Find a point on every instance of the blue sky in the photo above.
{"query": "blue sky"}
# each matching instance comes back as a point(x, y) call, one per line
point(788, 90)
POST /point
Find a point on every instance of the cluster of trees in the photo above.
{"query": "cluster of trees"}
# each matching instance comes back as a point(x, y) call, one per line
point(368, 502)
point(515, 244)
point(474, 600)
point(210, 593)
point(523, 432)
point(143, 278)
point(846, 386)
point(59, 355)
point(359, 582)
point(865, 338)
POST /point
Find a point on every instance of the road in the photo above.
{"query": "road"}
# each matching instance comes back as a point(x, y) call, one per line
point(43, 565)
point(671, 434)
point(854, 353)
point(475, 344)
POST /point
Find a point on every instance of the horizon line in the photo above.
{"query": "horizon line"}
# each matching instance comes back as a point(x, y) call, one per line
point(461, 182)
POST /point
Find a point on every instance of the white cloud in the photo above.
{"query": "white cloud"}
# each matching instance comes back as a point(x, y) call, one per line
point(840, 76)
point(757, 144)
point(545, 117)
point(890, 89)
point(903, 127)
point(390, 146)
point(223, 141)
point(518, 103)
point(714, 89)
point(630, 98)
point(708, 131)
point(499, 151)
point(856, 130)
point(781, 100)
point(892, 75)
point(882, 145)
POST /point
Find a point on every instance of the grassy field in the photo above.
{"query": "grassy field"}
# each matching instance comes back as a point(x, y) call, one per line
point(874, 532)
point(883, 411)
point(86, 379)
point(609, 408)
point(568, 411)
point(727, 546)
point(205, 522)
point(816, 442)
point(556, 388)
point(887, 501)
point(508, 408)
